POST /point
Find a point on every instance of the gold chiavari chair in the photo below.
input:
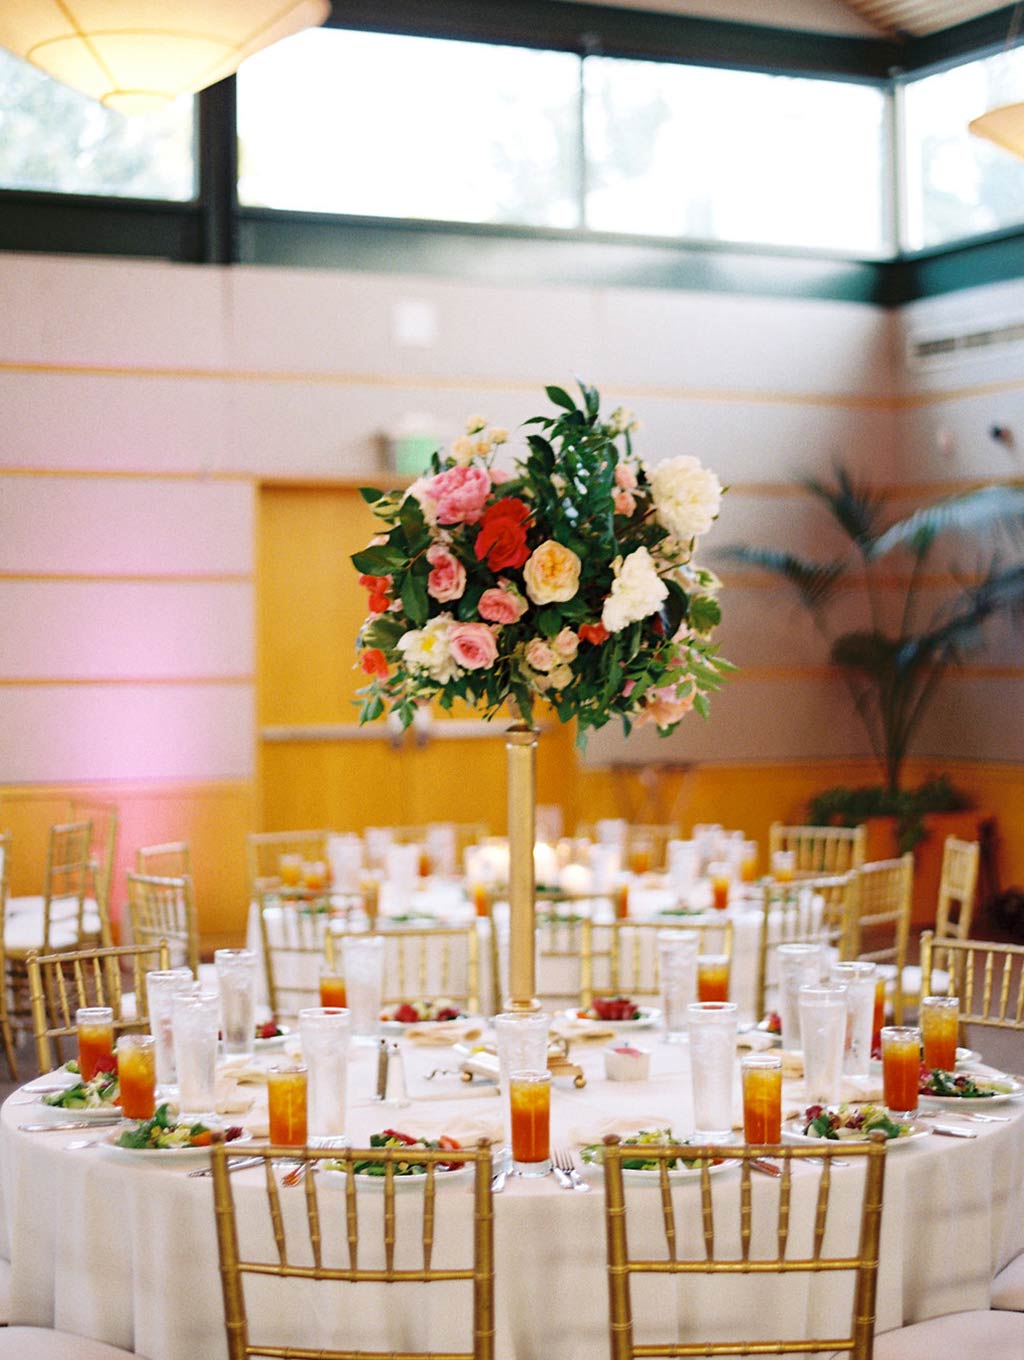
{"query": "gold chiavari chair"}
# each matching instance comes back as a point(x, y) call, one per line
point(820, 850)
point(629, 962)
point(56, 920)
point(559, 943)
point(427, 962)
point(988, 979)
point(60, 983)
point(164, 909)
point(170, 860)
point(6, 1033)
point(336, 1257)
point(957, 887)
point(105, 821)
point(795, 1238)
point(295, 939)
point(810, 911)
point(265, 848)
point(885, 895)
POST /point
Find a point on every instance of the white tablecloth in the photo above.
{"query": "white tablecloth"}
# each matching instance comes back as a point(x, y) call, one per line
point(126, 1252)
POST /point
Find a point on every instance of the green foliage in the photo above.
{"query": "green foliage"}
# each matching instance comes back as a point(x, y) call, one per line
point(843, 806)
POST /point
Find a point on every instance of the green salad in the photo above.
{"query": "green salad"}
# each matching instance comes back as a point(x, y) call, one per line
point(162, 1133)
point(101, 1092)
point(851, 1122)
point(646, 1138)
point(392, 1138)
point(939, 1083)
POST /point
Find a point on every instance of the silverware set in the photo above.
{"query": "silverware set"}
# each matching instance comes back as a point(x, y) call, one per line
point(564, 1170)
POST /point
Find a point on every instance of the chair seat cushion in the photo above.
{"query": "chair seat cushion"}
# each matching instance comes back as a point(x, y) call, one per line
point(996, 1336)
point(1008, 1286)
point(39, 1343)
point(25, 931)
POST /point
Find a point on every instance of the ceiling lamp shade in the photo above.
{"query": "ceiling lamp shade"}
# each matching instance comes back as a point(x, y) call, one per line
point(1003, 126)
point(137, 56)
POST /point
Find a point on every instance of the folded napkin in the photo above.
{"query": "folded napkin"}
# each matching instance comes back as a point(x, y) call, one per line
point(755, 1040)
point(792, 1063)
point(623, 1125)
point(230, 1097)
point(242, 1071)
point(576, 1030)
point(443, 1032)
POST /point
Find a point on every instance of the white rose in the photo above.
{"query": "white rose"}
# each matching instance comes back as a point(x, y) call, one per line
point(463, 450)
point(686, 496)
point(475, 424)
point(418, 491)
point(499, 435)
point(428, 649)
point(637, 591)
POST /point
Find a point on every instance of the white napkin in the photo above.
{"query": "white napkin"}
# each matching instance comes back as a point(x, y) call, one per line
point(587, 1031)
point(756, 1040)
point(443, 1032)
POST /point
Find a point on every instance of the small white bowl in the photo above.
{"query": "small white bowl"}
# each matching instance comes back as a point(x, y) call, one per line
point(624, 1062)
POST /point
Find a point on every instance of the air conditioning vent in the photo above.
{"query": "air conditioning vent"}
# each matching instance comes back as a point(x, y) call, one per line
point(937, 351)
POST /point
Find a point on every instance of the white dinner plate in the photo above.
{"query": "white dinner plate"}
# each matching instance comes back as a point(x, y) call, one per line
point(972, 1103)
point(653, 1177)
point(101, 1114)
point(400, 1026)
point(340, 1179)
point(649, 1016)
point(793, 1133)
point(168, 1155)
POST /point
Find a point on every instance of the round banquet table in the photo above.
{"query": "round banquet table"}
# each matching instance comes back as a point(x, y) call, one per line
point(124, 1249)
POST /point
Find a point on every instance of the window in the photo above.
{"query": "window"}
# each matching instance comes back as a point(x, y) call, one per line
point(958, 185)
point(380, 125)
point(735, 156)
point(53, 138)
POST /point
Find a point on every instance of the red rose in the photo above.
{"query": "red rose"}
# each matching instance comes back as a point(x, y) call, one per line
point(502, 537)
point(374, 662)
point(379, 588)
point(595, 633)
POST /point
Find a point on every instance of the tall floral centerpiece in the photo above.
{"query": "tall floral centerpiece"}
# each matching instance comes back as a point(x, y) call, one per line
point(568, 579)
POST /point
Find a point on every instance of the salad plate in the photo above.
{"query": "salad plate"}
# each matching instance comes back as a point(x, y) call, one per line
point(397, 1019)
point(875, 1119)
point(633, 1167)
point(373, 1173)
point(976, 1092)
point(163, 1139)
point(645, 1018)
point(84, 1101)
point(264, 1042)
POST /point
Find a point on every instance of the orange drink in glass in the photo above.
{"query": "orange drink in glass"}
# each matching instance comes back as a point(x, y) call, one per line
point(370, 889)
point(783, 866)
point(481, 896)
point(748, 862)
point(878, 1019)
point(761, 1075)
point(640, 858)
point(286, 1105)
point(136, 1075)
point(333, 991)
point(314, 875)
point(530, 1101)
point(620, 900)
point(95, 1040)
point(290, 869)
point(720, 874)
point(425, 863)
point(901, 1069)
point(712, 977)
point(940, 1026)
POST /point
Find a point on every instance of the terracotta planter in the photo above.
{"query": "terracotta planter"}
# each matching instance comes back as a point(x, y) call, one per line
point(927, 853)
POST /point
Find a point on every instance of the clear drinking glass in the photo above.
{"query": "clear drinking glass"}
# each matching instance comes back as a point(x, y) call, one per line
point(712, 1026)
point(196, 1019)
point(799, 966)
point(677, 975)
point(530, 1102)
point(325, 1032)
point(236, 981)
point(822, 1038)
point(522, 1041)
point(161, 987)
point(363, 957)
point(858, 979)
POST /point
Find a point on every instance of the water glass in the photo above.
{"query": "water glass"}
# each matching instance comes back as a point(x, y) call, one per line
point(799, 966)
point(236, 981)
point(363, 957)
point(286, 1105)
point(530, 1102)
point(783, 866)
point(677, 975)
point(683, 866)
point(857, 978)
point(325, 1031)
point(761, 1079)
point(940, 1027)
point(822, 1037)
point(161, 987)
point(95, 1026)
point(712, 1026)
point(195, 1021)
point(901, 1069)
point(136, 1075)
point(345, 855)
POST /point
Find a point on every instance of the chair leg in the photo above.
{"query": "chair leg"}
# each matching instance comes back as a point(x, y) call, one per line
point(8, 1041)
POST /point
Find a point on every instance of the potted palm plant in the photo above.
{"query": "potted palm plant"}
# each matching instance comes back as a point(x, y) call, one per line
point(894, 663)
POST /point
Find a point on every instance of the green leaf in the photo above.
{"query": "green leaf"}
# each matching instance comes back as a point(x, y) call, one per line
point(560, 397)
point(378, 561)
point(701, 705)
point(549, 621)
point(415, 601)
point(705, 613)
point(370, 494)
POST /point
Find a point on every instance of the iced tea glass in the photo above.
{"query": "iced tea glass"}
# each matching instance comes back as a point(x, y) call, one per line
point(761, 1077)
point(720, 874)
point(712, 1026)
point(783, 866)
point(940, 1027)
point(620, 899)
point(480, 895)
point(290, 869)
point(712, 977)
point(748, 862)
point(530, 1100)
point(332, 985)
point(640, 857)
point(286, 1105)
point(901, 1068)
point(95, 1040)
point(136, 1075)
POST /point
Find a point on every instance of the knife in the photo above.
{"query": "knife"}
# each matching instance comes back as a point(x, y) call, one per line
point(950, 1132)
point(234, 1164)
point(68, 1126)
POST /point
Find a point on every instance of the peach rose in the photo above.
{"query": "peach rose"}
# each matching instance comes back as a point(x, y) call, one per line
point(625, 477)
point(448, 579)
point(539, 655)
point(473, 646)
point(664, 707)
point(566, 644)
point(552, 573)
point(625, 503)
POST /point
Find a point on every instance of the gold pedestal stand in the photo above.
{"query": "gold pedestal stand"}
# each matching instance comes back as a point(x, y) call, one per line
point(521, 747)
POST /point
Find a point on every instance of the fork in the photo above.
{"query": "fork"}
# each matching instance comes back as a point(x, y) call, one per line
point(562, 1160)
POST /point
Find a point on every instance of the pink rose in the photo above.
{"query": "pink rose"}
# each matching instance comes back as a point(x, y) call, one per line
point(625, 503)
point(499, 476)
point(566, 644)
point(460, 494)
point(502, 604)
point(473, 646)
point(448, 579)
point(539, 655)
point(625, 477)
point(628, 688)
point(665, 706)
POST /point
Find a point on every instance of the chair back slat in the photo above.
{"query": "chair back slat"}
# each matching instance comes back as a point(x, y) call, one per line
point(997, 1002)
point(821, 850)
point(164, 909)
point(630, 956)
point(885, 899)
point(172, 859)
point(104, 819)
point(957, 886)
point(811, 911)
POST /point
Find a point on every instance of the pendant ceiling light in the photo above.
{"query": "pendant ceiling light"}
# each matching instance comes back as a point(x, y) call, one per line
point(1004, 125)
point(139, 55)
